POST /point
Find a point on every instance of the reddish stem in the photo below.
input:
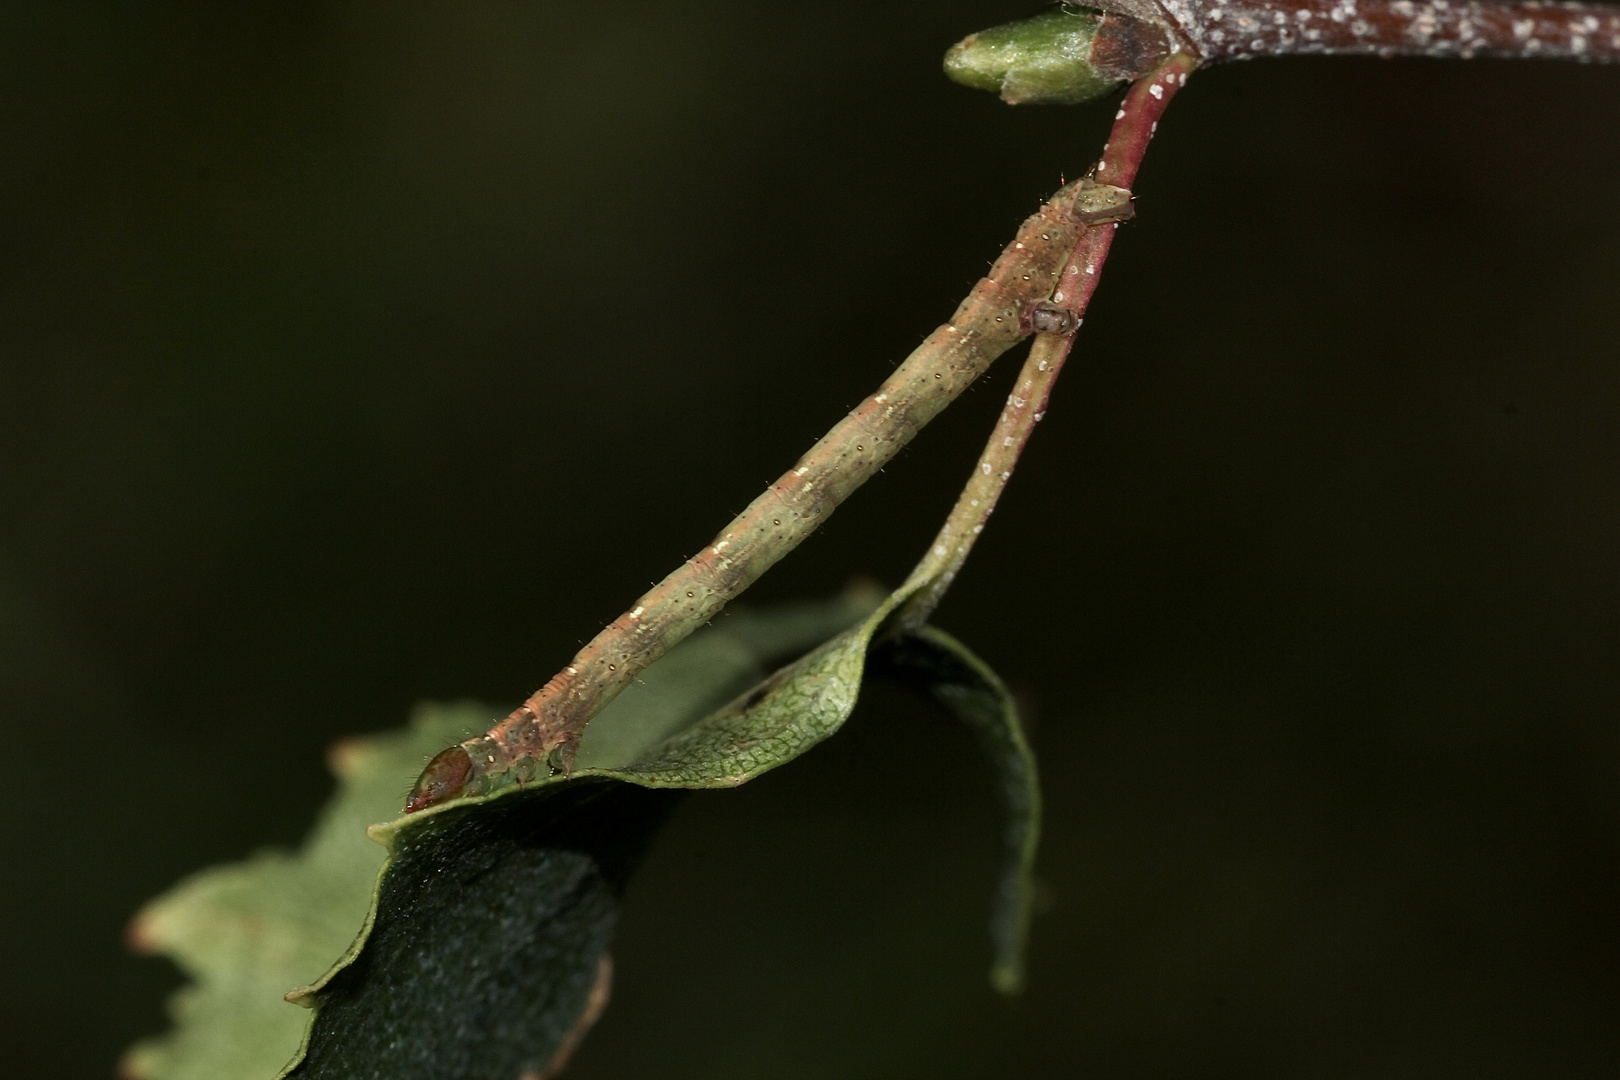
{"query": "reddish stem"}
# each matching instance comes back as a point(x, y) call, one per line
point(1134, 126)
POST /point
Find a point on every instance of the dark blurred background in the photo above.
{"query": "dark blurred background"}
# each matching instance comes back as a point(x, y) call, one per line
point(353, 354)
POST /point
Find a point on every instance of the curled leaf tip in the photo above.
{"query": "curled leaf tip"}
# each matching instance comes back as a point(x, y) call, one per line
point(444, 778)
point(141, 935)
point(343, 756)
point(1008, 980)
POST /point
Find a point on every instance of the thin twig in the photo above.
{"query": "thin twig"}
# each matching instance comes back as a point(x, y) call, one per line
point(1134, 125)
point(1220, 30)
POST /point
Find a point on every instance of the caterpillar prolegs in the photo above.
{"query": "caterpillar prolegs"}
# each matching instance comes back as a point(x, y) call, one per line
point(1003, 308)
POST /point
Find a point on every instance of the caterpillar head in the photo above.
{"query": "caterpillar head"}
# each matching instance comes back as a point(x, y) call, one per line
point(444, 778)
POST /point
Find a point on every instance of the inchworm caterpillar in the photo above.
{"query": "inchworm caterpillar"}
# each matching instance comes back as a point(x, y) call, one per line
point(994, 317)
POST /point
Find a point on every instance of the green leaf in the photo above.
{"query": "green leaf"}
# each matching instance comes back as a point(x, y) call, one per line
point(494, 912)
point(485, 953)
point(943, 668)
point(247, 932)
point(695, 681)
point(770, 725)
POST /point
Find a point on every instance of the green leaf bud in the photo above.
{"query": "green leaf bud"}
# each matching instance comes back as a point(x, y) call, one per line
point(1045, 60)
